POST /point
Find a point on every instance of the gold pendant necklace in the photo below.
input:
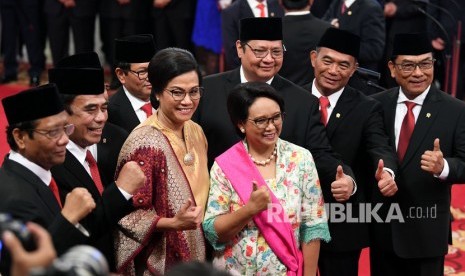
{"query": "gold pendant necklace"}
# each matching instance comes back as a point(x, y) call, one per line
point(189, 157)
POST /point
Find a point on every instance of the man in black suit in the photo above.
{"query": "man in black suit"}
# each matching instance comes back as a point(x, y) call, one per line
point(37, 134)
point(86, 104)
point(131, 105)
point(117, 19)
point(230, 18)
point(355, 129)
point(173, 22)
point(22, 18)
point(427, 127)
point(301, 33)
point(79, 15)
point(364, 18)
point(260, 49)
point(402, 16)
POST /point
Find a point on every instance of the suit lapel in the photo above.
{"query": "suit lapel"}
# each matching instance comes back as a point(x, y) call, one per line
point(38, 185)
point(428, 114)
point(76, 169)
point(344, 105)
point(390, 116)
point(233, 78)
point(126, 108)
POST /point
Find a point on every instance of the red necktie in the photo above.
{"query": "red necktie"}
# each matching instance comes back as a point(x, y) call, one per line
point(54, 187)
point(324, 103)
point(147, 108)
point(343, 8)
point(261, 7)
point(94, 171)
point(408, 124)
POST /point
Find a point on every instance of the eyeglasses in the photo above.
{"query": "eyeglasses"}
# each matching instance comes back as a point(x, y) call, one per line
point(179, 94)
point(142, 74)
point(410, 66)
point(263, 122)
point(262, 53)
point(56, 132)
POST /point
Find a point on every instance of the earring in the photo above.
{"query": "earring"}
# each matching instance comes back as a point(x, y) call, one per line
point(158, 99)
point(242, 130)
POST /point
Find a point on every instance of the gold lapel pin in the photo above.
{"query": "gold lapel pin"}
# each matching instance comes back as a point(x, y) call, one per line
point(338, 115)
point(349, 12)
point(428, 115)
point(272, 14)
point(104, 140)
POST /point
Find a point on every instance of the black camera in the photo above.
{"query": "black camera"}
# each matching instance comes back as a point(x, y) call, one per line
point(19, 229)
point(80, 260)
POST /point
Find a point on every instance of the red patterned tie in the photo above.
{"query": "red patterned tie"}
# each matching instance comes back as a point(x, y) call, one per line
point(343, 8)
point(324, 103)
point(147, 108)
point(54, 187)
point(408, 124)
point(94, 171)
point(261, 7)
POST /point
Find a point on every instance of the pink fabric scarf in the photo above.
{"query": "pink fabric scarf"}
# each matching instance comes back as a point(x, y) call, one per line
point(278, 234)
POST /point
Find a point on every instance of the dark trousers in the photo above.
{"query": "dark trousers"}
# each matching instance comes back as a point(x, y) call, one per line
point(172, 31)
point(385, 263)
point(22, 17)
point(58, 33)
point(338, 263)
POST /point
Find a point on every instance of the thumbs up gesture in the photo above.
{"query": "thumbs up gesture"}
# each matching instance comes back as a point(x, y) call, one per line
point(343, 186)
point(189, 216)
point(259, 199)
point(386, 184)
point(433, 161)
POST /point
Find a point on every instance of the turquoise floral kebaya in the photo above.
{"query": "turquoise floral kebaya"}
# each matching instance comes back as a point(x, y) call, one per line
point(298, 189)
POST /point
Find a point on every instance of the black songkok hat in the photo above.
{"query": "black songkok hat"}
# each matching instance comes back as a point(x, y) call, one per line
point(79, 74)
point(261, 28)
point(33, 104)
point(413, 44)
point(135, 48)
point(295, 4)
point(342, 41)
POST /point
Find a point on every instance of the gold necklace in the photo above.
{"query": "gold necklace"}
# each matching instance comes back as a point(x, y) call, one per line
point(189, 157)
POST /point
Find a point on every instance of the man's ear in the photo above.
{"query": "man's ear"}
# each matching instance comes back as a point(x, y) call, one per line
point(19, 136)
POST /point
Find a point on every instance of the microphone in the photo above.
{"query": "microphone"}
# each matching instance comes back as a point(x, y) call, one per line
point(372, 84)
point(364, 72)
point(445, 11)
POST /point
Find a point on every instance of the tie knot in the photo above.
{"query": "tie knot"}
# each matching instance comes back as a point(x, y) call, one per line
point(260, 6)
point(147, 108)
point(410, 105)
point(89, 157)
point(324, 102)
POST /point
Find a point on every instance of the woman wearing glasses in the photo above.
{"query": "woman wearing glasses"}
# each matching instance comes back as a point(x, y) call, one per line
point(265, 213)
point(172, 152)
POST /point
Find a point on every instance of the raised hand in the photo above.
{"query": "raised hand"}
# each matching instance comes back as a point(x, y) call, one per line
point(131, 177)
point(343, 186)
point(78, 204)
point(386, 184)
point(259, 199)
point(433, 161)
point(188, 217)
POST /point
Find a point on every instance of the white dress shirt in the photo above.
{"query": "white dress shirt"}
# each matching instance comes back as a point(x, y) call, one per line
point(137, 104)
point(256, 11)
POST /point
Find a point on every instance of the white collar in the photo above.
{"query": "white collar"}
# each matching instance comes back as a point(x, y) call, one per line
point(349, 3)
point(44, 175)
point(297, 13)
point(80, 153)
point(333, 98)
point(418, 100)
point(135, 102)
point(244, 80)
point(253, 3)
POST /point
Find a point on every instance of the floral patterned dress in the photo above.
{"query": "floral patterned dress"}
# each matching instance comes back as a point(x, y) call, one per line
point(298, 189)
